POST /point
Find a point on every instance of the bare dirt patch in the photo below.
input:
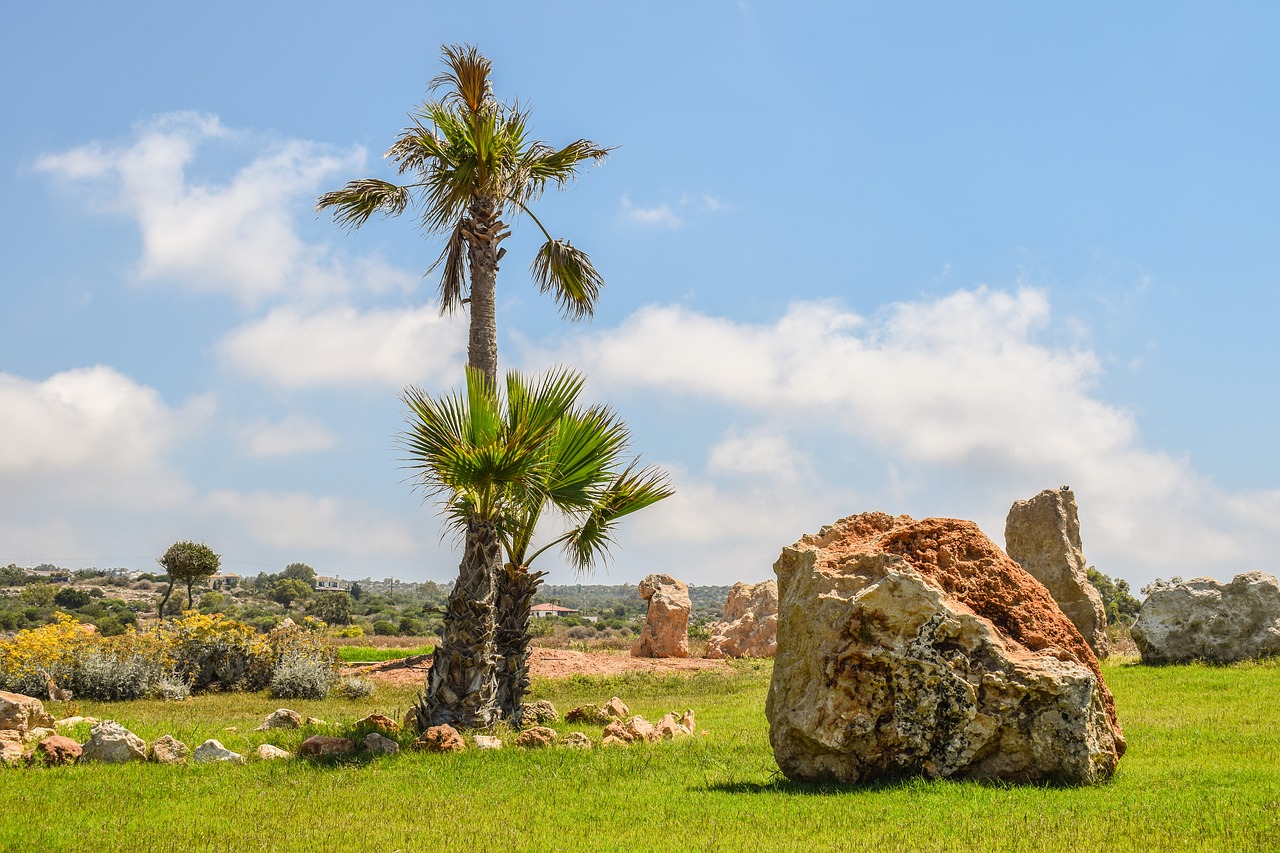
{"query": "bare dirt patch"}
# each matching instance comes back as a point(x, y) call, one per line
point(547, 663)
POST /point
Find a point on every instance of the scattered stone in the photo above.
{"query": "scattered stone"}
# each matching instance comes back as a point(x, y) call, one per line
point(268, 752)
point(668, 728)
point(750, 626)
point(169, 750)
point(590, 713)
point(537, 713)
point(40, 732)
point(380, 745)
point(11, 754)
point(321, 745)
point(56, 750)
point(22, 713)
point(232, 729)
point(614, 740)
point(111, 743)
point(577, 740)
point(536, 737)
point(212, 750)
point(380, 722)
point(919, 648)
point(688, 722)
point(1043, 536)
point(280, 718)
point(1202, 619)
point(315, 721)
point(442, 738)
point(487, 742)
point(665, 633)
point(616, 709)
point(68, 722)
point(616, 731)
point(640, 729)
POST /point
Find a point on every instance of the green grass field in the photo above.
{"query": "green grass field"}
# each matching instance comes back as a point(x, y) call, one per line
point(369, 654)
point(1202, 773)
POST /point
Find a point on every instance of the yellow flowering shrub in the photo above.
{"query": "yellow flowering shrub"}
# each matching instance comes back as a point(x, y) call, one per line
point(56, 648)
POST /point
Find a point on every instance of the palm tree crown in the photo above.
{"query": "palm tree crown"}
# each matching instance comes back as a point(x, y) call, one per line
point(472, 162)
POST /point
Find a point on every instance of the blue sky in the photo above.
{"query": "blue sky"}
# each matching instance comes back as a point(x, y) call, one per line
point(920, 258)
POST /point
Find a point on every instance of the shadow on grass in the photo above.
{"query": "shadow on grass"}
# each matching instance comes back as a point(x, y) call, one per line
point(781, 785)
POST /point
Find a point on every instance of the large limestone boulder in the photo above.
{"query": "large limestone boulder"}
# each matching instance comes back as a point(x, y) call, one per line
point(21, 713)
point(1043, 536)
point(1202, 619)
point(750, 626)
point(111, 743)
point(919, 648)
point(666, 623)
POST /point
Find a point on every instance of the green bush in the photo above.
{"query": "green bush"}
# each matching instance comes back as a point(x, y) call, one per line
point(383, 628)
point(70, 598)
point(353, 687)
point(301, 676)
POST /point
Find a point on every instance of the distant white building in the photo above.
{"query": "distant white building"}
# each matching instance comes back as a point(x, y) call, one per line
point(541, 611)
point(324, 584)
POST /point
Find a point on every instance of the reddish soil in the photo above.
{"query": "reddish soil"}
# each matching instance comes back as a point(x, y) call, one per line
point(547, 663)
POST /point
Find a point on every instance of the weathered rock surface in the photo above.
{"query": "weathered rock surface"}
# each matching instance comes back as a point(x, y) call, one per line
point(212, 750)
point(442, 738)
point(665, 633)
point(22, 713)
point(616, 709)
point(640, 729)
point(1202, 619)
point(1043, 536)
point(750, 626)
point(919, 648)
point(617, 733)
point(111, 743)
point(268, 752)
point(281, 718)
point(536, 737)
point(169, 750)
point(487, 742)
point(669, 727)
point(577, 740)
point(11, 753)
point(380, 722)
point(380, 745)
point(56, 749)
point(321, 745)
point(537, 713)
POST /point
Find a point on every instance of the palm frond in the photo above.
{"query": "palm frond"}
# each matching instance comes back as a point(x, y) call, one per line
point(542, 164)
point(631, 491)
point(456, 272)
point(466, 78)
point(569, 276)
point(358, 200)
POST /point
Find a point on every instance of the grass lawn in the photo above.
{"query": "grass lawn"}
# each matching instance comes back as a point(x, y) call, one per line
point(1202, 773)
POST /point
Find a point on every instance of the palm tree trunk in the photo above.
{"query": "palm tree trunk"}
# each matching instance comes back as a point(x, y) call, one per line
point(460, 688)
point(514, 594)
point(484, 234)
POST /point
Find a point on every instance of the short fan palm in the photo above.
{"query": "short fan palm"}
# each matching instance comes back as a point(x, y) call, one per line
point(499, 463)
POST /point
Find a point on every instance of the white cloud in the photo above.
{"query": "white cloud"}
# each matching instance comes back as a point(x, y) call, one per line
point(661, 215)
point(304, 522)
point(343, 346)
point(295, 434)
point(957, 398)
point(237, 236)
point(92, 434)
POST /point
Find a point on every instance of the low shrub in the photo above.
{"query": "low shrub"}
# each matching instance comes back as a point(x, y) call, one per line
point(353, 687)
point(301, 676)
point(101, 674)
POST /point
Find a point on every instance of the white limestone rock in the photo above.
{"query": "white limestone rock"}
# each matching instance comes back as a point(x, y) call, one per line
point(1202, 619)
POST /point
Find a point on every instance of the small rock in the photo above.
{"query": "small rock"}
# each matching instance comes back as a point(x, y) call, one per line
point(589, 713)
point(443, 738)
point(267, 752)
point(281, 718)
point(316, 721)
point(612, 740)
point(40, 733)
point(68, 722)
point(169, 750)
point(232, 729)
point(211, 750)
point(536, 737)
point(577, 740)
point(487, 742)
point(641, 729)
point(616, 709)
point(617, 731)
point(687, 721)
point(11, 753)
point(319, 745)
point(22, 713)
point(56, 749)
point(380, 745)
point(669, 729)
point(111, 743)
point(537, 713)
point(380, 721)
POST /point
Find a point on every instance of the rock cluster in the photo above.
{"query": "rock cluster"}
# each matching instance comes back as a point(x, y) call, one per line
point(1042, 535)
point(665, 633)
point(919, 648)
point(1202, 619)
point(750, 626)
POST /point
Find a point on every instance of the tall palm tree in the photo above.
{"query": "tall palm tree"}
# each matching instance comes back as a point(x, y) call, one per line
point(472, 164)
point(498, 462)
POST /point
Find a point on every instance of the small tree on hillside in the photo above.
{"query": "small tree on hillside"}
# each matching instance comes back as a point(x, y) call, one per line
point(332, 607)
point(299, 572)
point(188, 562)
